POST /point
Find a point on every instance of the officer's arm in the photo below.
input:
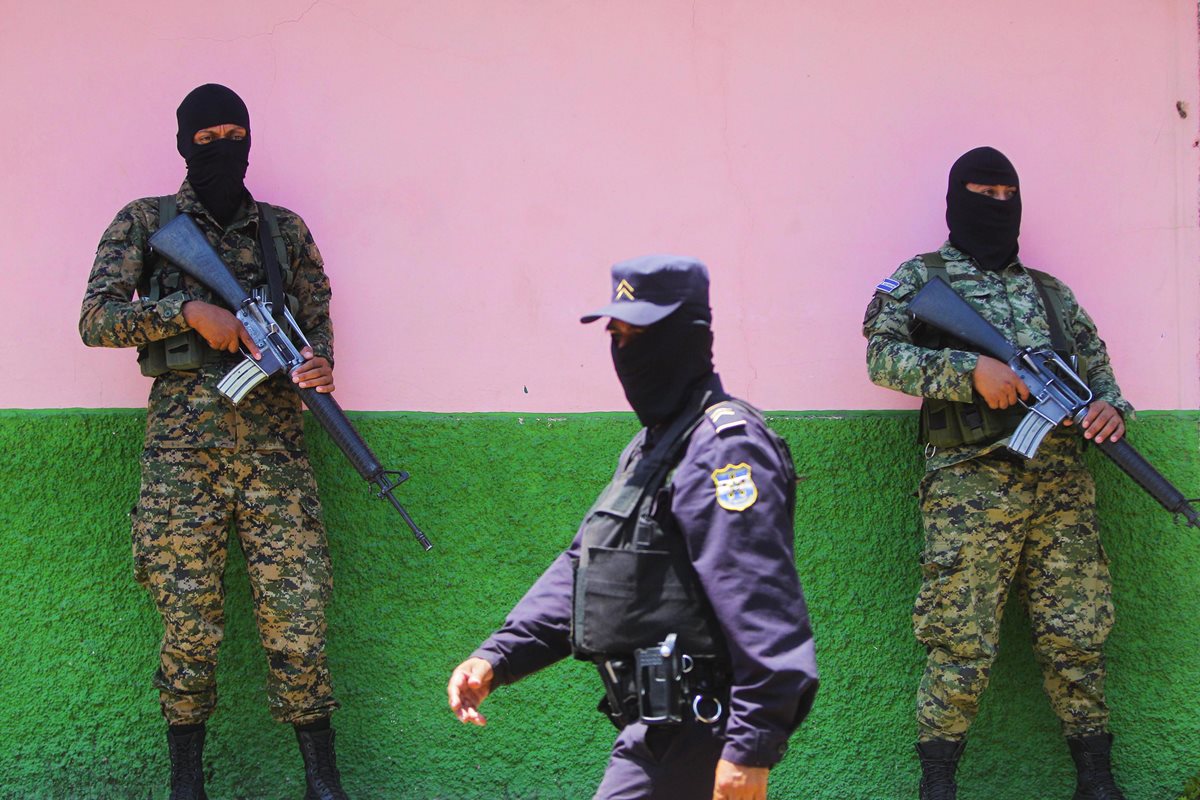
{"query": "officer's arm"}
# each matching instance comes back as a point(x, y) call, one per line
point(109, 317)
point(742, 553)
point(537, 631)
point(894, 361)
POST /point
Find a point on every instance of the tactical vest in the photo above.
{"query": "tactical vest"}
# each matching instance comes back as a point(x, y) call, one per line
point(634, 581)
point(160, 278)
point(947, 423)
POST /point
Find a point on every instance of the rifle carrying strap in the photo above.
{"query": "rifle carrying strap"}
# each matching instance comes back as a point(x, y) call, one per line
point(274, 254)
point(1047, 288)
point(148, 289)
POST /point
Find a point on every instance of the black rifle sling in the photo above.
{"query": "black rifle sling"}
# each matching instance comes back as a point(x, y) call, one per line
point(147, 288)
point(273, 253)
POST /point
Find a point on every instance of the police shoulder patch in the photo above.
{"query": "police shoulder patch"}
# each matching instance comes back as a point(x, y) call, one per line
point(726, 416)
point(735, 487)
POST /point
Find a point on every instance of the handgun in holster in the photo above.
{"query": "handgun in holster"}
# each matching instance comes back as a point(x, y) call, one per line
point(658, 675)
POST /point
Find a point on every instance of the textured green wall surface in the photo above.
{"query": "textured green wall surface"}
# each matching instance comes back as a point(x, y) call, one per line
point(501, 495)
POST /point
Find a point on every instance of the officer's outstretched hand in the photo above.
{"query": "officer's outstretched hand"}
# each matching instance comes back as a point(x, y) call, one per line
point(315, 373)
point(735, 782)
point(997, 384)
point(219, 327)
point(470, 684)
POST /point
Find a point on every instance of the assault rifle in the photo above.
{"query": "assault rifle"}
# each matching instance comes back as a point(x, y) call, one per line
point(1057, 393)
point(184, 245)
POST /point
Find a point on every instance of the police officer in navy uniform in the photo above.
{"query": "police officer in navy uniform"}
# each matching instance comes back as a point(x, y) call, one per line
point(681, 583)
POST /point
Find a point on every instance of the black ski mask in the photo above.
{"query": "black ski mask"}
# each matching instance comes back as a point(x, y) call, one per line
point(217, 170)
point(659, 368)
point(983, 227)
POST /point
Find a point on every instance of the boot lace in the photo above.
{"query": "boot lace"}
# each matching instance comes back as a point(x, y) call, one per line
point(1097, 781)
point(187, 776)
point(937, 781)
point(324, 779)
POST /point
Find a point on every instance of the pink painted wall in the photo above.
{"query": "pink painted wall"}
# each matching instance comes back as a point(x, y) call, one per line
point(470, 170)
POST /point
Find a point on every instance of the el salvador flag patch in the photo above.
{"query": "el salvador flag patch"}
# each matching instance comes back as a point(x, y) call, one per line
point(887, 286)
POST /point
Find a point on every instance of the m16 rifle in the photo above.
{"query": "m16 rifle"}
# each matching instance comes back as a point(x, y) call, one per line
point(183, 244)
point(1057, 393)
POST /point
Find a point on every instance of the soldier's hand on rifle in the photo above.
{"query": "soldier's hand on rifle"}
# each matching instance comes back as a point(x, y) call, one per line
point(219, 327)
point(315, 373)
point(998, 385)
point(470, 684)
point(1102, 421)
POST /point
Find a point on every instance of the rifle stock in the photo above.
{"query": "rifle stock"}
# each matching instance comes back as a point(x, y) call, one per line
point(940, 306)
point(185, 246)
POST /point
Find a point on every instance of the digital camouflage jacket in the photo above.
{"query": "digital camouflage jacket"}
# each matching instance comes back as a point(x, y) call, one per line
point(1007, 298)
point(185, 409)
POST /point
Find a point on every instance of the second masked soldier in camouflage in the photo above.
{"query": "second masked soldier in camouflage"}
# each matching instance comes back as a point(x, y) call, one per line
point(209, 465)
point(991, 518)
point(683, 576)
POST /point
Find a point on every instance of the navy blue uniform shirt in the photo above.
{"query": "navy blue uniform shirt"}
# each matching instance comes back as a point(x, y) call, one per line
point(745, 562)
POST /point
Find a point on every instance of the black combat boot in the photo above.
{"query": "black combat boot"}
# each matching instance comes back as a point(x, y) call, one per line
point(939, 759)
point(1093, 760)
point(320, 764)
point(186, 743)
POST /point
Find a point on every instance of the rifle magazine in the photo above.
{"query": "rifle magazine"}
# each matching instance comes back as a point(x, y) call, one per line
point(1028, 436)
point(238, 382)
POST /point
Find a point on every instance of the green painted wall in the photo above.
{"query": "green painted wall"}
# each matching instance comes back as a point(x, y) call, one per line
point(500, 495)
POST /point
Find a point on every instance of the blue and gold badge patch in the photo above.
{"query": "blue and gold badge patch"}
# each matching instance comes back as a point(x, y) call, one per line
point(735, 488)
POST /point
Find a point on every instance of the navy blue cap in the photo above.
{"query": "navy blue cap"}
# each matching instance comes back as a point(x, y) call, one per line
point(648, 289)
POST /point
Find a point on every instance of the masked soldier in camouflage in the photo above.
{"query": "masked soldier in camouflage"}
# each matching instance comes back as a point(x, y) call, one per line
point(992, 518)
point(208, 465)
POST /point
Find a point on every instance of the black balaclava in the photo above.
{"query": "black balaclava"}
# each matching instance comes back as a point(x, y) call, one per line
point(983, 227)
point(217, 170)
point(660, 367)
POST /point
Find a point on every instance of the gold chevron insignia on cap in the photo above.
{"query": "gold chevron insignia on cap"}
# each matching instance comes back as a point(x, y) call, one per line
point(624, 290)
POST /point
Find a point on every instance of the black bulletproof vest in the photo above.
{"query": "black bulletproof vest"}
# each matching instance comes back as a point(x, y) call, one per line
point(634, 581)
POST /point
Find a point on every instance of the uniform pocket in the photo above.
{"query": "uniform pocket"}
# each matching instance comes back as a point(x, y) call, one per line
point(941, 554)
point(146, 525)
point(311, 506)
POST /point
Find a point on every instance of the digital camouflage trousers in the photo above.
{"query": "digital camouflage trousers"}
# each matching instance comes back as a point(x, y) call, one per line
point(989, 522)
point(190, 501)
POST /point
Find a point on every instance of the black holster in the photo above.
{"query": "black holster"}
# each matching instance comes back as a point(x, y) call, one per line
point(661, 686)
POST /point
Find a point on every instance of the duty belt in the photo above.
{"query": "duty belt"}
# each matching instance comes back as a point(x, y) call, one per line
point(661, 686)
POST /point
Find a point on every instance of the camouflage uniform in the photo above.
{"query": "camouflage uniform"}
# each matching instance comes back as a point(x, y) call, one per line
point(208, 465)
point(990, 517)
